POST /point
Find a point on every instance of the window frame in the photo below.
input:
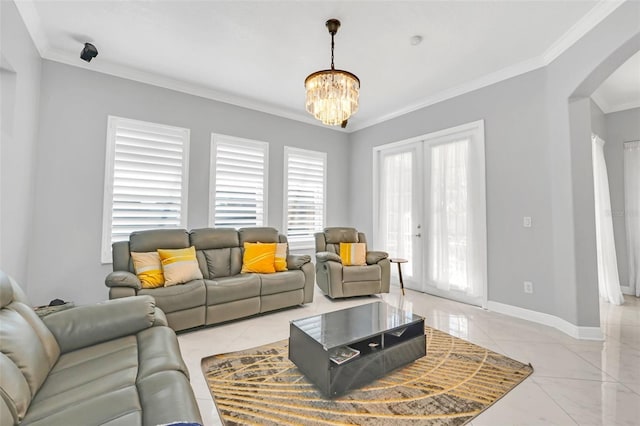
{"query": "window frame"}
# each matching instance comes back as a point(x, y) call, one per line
point(310, 243)
point(217, 138)
point(110, 157)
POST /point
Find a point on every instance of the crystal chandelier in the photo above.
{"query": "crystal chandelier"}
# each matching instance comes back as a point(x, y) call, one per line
point(332, 95)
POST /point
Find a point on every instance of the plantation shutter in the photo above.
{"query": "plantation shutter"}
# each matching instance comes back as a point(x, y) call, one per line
point(239, 181)
point(146, 180)
point(305, 191)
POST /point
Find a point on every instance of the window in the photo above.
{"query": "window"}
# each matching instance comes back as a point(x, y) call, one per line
point(238, 182)
point(305, 183)
point(146, 176)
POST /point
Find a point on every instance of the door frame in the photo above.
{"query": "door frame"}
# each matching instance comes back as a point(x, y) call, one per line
point(477, 154)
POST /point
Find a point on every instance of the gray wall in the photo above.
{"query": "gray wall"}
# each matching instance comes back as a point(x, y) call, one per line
point(598, 122)
point(621, 127)
point(20, 92)
point(538, 165)
point(65, 249)
point(516, 182)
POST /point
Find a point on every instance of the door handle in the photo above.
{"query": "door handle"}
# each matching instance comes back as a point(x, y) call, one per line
point(418, 235)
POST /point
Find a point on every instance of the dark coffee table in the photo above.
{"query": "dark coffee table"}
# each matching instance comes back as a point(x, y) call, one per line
point(343, 350)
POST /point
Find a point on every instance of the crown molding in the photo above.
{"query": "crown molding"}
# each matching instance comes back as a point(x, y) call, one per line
point(600, 11)
point(154, 79)
point(622, 107)
point(596, 15)
point(484, 81)
point(608, 108)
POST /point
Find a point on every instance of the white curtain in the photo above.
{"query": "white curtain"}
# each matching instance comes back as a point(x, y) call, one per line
point(453, 251)
point(632, 209)
point(608, 279)
point(396, 205)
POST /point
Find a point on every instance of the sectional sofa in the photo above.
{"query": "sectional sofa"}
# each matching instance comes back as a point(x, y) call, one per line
point(114, 363)
point(223, 293)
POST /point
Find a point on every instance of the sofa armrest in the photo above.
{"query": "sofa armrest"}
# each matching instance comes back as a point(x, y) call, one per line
point(91, 324)
point(123, 279)
point(374, 257)
point(324, 256)
point(297, 261)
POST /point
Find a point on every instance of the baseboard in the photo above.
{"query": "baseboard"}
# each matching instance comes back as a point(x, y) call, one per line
point(627, 290)
point(577, 332)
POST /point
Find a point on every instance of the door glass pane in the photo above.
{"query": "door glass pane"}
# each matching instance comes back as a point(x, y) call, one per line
point(448, 216)
point(396, 206)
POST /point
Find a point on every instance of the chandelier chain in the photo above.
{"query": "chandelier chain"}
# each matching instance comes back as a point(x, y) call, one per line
point(332, 44)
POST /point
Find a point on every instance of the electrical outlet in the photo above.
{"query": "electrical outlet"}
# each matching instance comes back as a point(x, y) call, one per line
point(528, 287)
point(526, 221)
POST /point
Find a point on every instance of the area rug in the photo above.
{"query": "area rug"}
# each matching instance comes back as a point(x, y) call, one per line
point(455, 382)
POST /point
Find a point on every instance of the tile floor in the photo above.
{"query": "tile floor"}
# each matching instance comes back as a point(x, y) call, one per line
point(575, 381)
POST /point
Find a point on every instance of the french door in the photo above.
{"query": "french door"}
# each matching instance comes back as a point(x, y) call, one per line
point(431, 210)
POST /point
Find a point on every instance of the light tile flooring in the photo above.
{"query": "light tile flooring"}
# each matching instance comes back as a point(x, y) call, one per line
point(575, 381)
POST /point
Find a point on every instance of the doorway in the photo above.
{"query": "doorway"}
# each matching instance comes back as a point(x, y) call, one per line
point(430, 208)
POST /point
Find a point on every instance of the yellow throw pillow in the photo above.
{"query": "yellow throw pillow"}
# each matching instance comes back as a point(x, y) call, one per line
point(148, 269)
point(179, 266)
point(259, 257)
point(281, 257)
point(353, 254)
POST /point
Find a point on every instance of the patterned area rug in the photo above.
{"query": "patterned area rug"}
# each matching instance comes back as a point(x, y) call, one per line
point(455, 382)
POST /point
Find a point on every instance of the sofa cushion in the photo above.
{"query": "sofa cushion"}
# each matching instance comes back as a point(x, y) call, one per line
point(259, 257)
point(90, 377)
point(361, 273)
point(229, 289)
point(214, 238)
point(280, 261)
point(179, 266)
point(281, 282)
point(223, 262)
point(341, 235)
point(258, 234)
point(178, 297)
point(148, 268)
point(158, 239)
point(29, 351)
point(353, 254)
point(121, 374)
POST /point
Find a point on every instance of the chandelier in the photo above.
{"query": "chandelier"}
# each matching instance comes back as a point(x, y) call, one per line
point(332, 95)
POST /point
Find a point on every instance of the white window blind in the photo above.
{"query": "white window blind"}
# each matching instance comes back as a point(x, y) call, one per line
point(238, 182)
point(146, 176)
point(305, 183)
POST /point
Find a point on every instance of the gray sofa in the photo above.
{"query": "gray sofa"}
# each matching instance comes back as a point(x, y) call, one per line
point(337, 280)
point(224, 293)
point(114, 363)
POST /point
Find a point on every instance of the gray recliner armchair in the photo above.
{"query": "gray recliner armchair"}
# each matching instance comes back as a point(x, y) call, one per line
point(337, 280)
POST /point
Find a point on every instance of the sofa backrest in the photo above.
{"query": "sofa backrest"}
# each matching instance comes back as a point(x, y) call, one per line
point(146, 241)
point(330, 239)
point(218, 251)
point(28, 351)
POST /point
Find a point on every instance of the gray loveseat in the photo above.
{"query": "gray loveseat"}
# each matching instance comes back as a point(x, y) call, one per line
point(114, 363)
point(224, 293)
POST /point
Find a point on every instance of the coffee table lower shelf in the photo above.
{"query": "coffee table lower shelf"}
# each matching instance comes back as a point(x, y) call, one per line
point(334, 379)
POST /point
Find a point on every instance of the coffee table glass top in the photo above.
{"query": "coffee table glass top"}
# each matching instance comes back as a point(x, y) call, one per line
point(353, 324)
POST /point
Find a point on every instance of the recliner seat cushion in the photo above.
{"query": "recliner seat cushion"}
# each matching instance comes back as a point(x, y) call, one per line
point(230, 289)
point(281, 282)
point(178, 297)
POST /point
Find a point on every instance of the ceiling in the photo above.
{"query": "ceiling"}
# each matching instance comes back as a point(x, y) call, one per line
point(257, 54)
